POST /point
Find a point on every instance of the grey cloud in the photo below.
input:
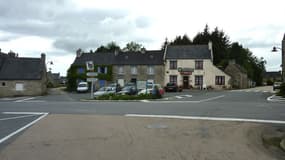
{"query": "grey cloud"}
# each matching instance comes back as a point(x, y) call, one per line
point(70, 28)
point(143, 22)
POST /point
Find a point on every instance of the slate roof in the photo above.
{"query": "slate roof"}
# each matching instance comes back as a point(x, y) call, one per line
point(14, 68)
point(188, 52)
point(97, 58)
point(138, 58)
point(154, 57)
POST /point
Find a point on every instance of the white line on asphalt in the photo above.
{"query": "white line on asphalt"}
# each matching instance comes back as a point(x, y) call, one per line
point(23, 128)
point(179, 97)
point(207, 118)
point(275, 100)
point(265, 91)
point(199, 101)
point(256, 90)
point(187, 95)
point(26, 99)
point(213, 98)
point(35, 113)
point(4, 119)
point(144, 100)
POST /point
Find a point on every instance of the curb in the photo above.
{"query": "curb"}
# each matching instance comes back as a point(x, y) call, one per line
point(90, 100)
point(277, 99)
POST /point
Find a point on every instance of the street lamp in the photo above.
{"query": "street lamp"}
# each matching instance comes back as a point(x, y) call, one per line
point(276, 49)
point(51, 63)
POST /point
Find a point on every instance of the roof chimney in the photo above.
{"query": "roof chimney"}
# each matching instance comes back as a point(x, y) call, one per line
point(43, 57)
point(210, 46)
point(79, 52)
point(116, 52)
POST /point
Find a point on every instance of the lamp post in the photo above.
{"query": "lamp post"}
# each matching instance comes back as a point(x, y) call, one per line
point(51, 63)
point(275, 49)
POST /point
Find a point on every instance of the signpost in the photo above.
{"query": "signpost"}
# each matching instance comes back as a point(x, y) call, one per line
point(91, 76)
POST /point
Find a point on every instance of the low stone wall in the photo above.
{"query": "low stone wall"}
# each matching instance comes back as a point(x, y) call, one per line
point(22, 88)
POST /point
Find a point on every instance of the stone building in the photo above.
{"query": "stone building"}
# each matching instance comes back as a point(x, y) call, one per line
point(239, 75)
point(22, 76)
point(146, 66)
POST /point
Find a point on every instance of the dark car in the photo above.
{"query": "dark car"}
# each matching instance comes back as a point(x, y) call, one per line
point(128, 90)
point(172, 87)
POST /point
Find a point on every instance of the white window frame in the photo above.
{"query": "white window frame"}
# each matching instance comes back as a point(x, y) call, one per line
point(19, 86)
point(121, 70)
point(134, 70)
point(150, 70)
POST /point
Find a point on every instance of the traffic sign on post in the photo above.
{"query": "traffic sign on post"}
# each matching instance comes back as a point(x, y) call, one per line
point(89, 66)
point(91, 79)
point(92, 74)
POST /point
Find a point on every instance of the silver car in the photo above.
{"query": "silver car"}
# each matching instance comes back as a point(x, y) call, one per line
point(104, 91)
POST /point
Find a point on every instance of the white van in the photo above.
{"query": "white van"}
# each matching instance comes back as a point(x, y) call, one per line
point(82, 87)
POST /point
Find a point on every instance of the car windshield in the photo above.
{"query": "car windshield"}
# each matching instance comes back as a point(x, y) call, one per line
point(170, 84)
point(102, 89)
point(82, 85)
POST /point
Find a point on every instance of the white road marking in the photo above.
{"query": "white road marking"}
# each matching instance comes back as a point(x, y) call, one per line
point(187, 95)
point(207, 118)
point(275, 100)
point(24, 127)
point(35, 113)
point(4, 119)
point(179, 97)
point(265, 91)
point(144, 100)
point(26, 99)
point(257, 91)
point(213, 98)
point(199, 101)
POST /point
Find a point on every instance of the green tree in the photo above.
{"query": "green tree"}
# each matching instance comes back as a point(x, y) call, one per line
point(181, 40)
point(133, 47)
point(110, 47)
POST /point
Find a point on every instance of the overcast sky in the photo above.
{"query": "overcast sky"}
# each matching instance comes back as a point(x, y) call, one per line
point(59, 27)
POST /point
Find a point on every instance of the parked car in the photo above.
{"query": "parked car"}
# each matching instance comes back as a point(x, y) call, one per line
point(104, 91)
point(82, 87)
point(150, 88)
point(117, 86)
point(276, 85)
point(172, 87)
point(128, 90)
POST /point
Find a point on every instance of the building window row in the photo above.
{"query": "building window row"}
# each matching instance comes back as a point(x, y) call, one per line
point(134, 70)
point(198, 64)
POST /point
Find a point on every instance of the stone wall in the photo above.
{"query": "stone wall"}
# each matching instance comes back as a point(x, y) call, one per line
point(239, 79)
point(25, 88)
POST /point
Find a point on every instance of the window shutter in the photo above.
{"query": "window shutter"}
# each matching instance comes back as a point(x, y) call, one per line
point(106, 70)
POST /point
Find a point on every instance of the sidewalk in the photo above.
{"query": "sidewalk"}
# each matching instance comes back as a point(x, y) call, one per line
point(73, 137)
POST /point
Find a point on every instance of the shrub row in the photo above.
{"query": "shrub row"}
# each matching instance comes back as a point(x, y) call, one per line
point(127, 97)
point(282, 90)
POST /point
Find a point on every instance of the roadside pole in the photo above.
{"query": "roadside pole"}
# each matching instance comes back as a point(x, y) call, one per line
point(92, 86)
point(91, 76)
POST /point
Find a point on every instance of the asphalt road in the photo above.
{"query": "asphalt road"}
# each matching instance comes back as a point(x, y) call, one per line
point(231, 104)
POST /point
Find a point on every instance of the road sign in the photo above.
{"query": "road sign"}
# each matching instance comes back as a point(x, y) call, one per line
point(89, 66)
point(92, 74)
point(92, 79)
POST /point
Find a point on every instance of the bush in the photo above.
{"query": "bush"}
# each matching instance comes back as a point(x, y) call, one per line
point(269, 82)
point(282, 90)
point(127, 97)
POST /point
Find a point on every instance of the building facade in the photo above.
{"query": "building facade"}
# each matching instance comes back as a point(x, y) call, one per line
point(191, 66)
point(22, 76)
